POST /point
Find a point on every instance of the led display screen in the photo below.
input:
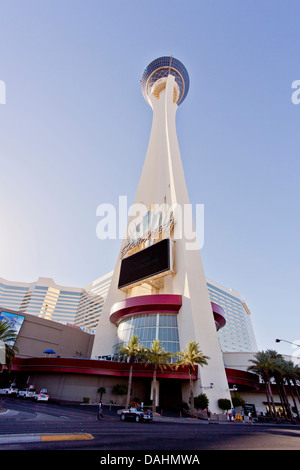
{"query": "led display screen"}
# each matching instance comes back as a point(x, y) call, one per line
point(146, 263)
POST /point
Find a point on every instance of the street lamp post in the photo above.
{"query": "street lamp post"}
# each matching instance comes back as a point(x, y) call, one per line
point(290, 342)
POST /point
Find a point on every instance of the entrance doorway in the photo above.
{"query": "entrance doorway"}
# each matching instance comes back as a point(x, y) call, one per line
point(170, 395)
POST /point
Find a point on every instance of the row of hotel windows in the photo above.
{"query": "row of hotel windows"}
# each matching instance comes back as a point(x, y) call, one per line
point(84, 308)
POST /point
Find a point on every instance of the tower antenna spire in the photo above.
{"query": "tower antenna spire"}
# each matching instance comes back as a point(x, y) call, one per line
point(171, 57)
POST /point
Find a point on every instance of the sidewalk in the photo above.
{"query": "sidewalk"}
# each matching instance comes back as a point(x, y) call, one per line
point(187, 420)
point(169, 419)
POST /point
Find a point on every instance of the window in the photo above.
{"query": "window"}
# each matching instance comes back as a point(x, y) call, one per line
point(148, 328)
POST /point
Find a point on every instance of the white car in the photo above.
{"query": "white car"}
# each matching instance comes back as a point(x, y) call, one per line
point(42, 396)
point(28, 392)
point(12, 390)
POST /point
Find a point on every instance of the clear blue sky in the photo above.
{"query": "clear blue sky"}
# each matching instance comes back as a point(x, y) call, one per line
point(75, 128)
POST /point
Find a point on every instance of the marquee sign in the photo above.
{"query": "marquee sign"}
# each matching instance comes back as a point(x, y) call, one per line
point(152, 262)
point(148, 229)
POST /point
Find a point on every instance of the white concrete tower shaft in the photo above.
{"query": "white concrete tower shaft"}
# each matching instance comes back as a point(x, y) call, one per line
point(163, 182)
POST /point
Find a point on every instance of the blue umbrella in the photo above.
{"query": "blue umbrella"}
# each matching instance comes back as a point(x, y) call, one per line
point(49, 351)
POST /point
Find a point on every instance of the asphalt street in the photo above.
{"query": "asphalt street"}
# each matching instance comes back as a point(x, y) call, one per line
point(27, 425)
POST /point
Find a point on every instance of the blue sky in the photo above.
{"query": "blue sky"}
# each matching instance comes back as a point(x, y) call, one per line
point(75, 128)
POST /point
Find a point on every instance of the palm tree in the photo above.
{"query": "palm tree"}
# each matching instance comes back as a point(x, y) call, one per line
point(130, 352)
point(279, 374)
point(263, 365)
point(101, 390)
point(190, 356)
point(290, 376)
point(296, 379)
point(294, 376)
point(7, 343)
point(159, 358)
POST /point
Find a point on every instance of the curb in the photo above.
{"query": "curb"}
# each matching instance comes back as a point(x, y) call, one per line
point(9, 412)
point(179, 420)
point(14, 438)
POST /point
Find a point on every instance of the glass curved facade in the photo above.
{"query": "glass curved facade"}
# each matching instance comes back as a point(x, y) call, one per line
point(159, 68)
point(148, 328)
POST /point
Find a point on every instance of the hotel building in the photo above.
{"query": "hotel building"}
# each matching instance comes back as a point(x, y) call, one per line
point(91, 303)
point(237, 335)
point(83, 307)
point(46, 299)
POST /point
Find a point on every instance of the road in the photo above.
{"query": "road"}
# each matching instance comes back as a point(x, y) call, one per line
point(80, 430)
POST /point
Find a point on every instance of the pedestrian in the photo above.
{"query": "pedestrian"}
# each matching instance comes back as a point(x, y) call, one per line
point(250, 417)
point(100, 410)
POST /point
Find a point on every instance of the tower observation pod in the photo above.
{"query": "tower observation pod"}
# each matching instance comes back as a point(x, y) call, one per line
point(158, 288)
point(155, 77)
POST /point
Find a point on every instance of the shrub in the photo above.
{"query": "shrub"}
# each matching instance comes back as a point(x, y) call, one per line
point(237, 400)
point(224, 404)
point(120, 389)
point(86, 399)
point(201, 401)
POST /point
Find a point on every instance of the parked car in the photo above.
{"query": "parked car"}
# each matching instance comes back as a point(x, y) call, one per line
point(42, 396)
point(12, 390)
point(28, 392)
point(137, 415)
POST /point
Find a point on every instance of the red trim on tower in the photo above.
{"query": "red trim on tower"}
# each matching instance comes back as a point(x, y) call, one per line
point(219, 315)
point(165, 303)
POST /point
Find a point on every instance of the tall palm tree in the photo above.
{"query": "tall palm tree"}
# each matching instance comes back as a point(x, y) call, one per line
point(263, 365)
point(159, 358)
point(130, 352)
point(290, 371)
point(191, 356)
point(281, 375)
point(294, 376)
point(7, 343)
point(296, 380)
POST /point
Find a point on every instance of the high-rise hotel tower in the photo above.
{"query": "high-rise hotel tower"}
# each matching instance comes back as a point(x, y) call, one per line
point(158, 288)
